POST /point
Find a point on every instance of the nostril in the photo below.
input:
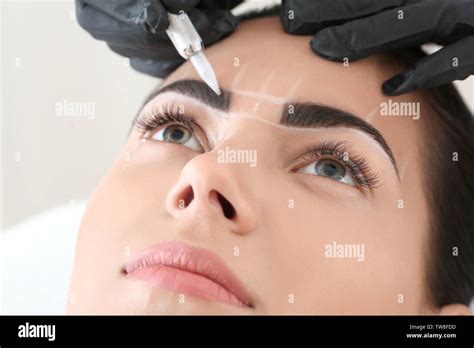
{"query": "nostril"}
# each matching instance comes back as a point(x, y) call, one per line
point(227, 208)
point(187, 197)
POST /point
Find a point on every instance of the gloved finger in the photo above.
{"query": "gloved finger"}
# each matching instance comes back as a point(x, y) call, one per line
point(406, 26)
point(175, 6)
point(452, 62)
point(100, 25)
point(158, 68)
point(213, 24)
point(307, 17)
point(167, 52)
point(149, 15)
point(218, 4)
point(223, 22)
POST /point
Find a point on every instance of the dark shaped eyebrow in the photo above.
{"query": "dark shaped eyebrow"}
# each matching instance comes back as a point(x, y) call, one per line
point(309, 115)
point(198, 90)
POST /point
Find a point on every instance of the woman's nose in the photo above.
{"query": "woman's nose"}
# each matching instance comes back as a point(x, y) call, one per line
point(208, 189)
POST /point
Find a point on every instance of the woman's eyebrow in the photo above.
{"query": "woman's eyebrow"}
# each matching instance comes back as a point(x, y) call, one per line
point(195, 89)
point(310, 115)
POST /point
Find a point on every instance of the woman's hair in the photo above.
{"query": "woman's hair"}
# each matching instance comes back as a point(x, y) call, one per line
point(448, 149)
point(448, 155)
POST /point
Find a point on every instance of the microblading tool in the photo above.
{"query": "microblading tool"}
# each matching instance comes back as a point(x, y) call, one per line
point(189, 45)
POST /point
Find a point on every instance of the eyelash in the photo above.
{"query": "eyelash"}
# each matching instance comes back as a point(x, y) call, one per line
point(339, 151)
point(336, 150)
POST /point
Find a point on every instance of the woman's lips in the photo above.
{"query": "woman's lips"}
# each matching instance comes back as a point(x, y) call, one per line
point(183, 269)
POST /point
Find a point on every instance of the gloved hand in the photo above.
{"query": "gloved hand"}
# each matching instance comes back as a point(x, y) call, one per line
point(136, 28)
point(354, 29)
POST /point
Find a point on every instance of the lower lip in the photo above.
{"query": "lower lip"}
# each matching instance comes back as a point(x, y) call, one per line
point(187, 283)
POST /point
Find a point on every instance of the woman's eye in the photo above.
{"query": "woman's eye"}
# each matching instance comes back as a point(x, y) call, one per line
point(331, 169)
point(178, 134)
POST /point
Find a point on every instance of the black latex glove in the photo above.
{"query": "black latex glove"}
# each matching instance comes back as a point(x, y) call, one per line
point(354, 29)
point(136, 28)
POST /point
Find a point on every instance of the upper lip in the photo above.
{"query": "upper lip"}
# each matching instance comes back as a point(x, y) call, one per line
point(201, 261)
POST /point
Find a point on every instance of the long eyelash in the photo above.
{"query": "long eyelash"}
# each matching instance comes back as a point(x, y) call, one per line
point(160, 117)
point(358, 166)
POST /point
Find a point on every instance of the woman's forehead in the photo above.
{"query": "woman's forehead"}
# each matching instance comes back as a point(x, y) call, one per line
point(262, 62)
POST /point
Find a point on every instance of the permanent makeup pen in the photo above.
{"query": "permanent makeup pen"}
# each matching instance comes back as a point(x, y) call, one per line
point(189, 45)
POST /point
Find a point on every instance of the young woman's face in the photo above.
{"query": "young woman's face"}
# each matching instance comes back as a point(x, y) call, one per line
point(302, 204)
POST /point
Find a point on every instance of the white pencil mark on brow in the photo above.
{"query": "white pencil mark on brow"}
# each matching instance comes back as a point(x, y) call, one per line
point(294, 87)
point(238, 77)
point(370, 115)
point(256, 107)
point(266, 83)
point(264, 96)
point(403, 169)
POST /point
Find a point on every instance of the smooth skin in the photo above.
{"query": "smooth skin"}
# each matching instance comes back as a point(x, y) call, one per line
point(284, 217)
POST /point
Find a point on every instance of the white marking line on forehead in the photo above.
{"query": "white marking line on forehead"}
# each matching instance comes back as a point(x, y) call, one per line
point(263, 89)
point(257, 95)
point(294, 87)
point(238, 77)
point(403, 169)
point(256, 107)
point(266, 83)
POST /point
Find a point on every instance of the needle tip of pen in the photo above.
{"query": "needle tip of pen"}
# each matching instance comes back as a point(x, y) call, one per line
point(214, 86)
point(204, 69)
point(211, 81)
